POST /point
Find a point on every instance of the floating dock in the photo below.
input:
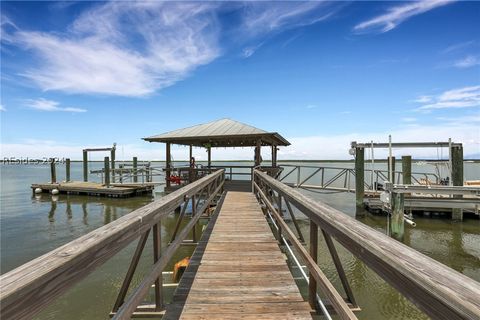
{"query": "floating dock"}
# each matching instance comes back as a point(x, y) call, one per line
point(238, 270)
point(116, 190)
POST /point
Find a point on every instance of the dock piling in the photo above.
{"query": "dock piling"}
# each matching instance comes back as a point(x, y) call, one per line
point(407, 169)
point(397, 225)
point(106, 164)
point(391, 169)
point(85, 165)
point(112, 154)
point(359, 181)
point(52, 170)
point(457, 177)
point(135, 173)
point(67, 170)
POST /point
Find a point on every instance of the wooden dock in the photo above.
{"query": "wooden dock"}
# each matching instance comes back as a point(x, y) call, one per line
point(238, 270)
point(97, 189)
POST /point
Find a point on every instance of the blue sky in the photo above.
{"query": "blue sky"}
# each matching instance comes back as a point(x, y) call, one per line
point(78, 74)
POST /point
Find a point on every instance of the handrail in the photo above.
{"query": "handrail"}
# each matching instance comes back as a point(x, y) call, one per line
point(29, 288)
point(441, 292)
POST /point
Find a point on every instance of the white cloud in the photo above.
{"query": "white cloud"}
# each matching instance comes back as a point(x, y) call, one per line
point(457, 98)
point(398, 14)
point(467, 62)
point(311, 106)
point(2, 108)
point(458, 46)
point(424, 99)
point(135, 48)
point(409, 119)
point(49, 105)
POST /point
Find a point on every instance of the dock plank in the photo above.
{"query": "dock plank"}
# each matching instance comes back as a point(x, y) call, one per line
point(242, 274)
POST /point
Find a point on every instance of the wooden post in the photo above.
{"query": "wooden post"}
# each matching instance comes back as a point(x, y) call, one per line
point(85, 165)
point(157, 249)
point(457, 178)
point(312, 283)
point(258, 153)
point(392, 169)
point(135, 173)
point(106, 164)
point(209, 151)
point(407, 169)
point(190, 171)
point(397, 225)
point(52, 170)
point(112, 154)
point(359, 181)
point(167, 164)
point(67, 169)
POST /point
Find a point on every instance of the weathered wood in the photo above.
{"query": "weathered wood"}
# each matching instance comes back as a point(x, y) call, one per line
point(139, 293)
point(339, 267)
point(441, 292)
point(256, 278)
point(312, 283)
point(295, 222)
point(135, 170)
point(168, 164)
point(157, 248)
point(457, 177)
point(67, 169)
point(397, 224)
point(30, 287)
point(359, 181)
point(325, 285)
point(131, 271)
point(106, 169)
point(112, 159)
point(209, 156)
point(391, 169)
point(407, 169)
point(53, 173)
point(85, 166)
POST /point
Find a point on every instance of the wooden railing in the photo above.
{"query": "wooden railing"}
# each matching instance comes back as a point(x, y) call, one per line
point(441, 292)
point(29, 288)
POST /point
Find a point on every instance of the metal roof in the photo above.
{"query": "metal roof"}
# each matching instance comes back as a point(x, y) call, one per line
point(220, 133)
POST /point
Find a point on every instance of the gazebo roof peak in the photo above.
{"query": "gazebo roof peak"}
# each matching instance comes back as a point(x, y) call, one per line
point(220, 133)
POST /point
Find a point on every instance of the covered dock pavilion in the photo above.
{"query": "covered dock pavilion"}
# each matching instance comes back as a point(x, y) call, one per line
point(223, 133)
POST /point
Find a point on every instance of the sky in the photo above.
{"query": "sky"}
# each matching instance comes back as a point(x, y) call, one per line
point(322, 74)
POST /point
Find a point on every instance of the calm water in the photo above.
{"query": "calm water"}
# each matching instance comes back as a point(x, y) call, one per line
point(31, 226)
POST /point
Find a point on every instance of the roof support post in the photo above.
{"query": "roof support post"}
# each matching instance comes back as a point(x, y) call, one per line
point(209, 152)
point(274, 155)
point(167, 164)
point(258, 153)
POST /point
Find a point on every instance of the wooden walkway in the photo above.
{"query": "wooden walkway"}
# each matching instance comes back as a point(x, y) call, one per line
point(238, 270)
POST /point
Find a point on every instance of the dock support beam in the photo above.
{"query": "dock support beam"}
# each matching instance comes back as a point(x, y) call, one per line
point(52, 170)
point(167, 165)
point(392, 169)
point(457, 177)
point(397, 225)
point(312, 283)
point(359, 181)
point(67, 169)
point(106, 164)
point(85, 165)
point(135, 172)
point(407, 169)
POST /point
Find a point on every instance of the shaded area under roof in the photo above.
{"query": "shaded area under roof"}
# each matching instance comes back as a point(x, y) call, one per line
point(220, 133)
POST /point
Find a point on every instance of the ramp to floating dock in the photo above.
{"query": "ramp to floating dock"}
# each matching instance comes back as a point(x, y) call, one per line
point(238, 270)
